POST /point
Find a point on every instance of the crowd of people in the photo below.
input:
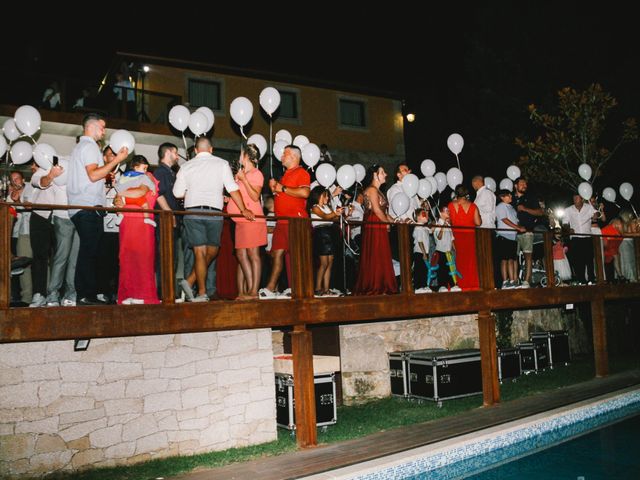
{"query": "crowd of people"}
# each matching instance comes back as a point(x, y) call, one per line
point(90, 257)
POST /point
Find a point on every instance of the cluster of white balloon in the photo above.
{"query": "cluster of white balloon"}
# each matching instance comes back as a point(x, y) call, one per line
point(25, 123)
point(199, 122)
point(586, 190)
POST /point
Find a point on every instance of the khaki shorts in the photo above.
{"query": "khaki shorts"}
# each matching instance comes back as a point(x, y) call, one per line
point(525, 242)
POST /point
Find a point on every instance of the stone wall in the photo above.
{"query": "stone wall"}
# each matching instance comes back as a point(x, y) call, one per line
point(133, 399)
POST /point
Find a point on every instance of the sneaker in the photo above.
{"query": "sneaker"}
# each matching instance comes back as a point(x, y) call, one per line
point(200, 298)
point(20, 263)
point(332, 292)
point(337, 292)
point(506, 284)
point(127, 301)
point(38, 300)
point(286, 293)
point(443, 289)
point(186, 288)
point(455, 288)
point(102, 298)
point(423, 290)
point(137, 301)
point(524, 284)
point(89, 301)
point(266, 294)
point(151, 222)
point(68, 302)
point(53, 300)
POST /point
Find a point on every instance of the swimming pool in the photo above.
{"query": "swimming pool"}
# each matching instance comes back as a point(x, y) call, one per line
point(459, 457)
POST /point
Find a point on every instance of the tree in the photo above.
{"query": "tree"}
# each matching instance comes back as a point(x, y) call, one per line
point(572, 137)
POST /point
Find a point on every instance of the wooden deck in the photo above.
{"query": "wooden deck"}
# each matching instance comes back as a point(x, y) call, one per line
point(328, 457)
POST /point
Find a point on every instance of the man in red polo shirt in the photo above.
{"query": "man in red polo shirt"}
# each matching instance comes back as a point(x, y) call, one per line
point(291, 194)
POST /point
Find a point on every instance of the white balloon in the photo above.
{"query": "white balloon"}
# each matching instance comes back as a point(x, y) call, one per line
point(585, 190)
point(441, 180)
point(361, 172)
point(270, 100)
point(28, 119)
point(454, 177)
point(278, 149)
point(326, 174)
point(346, 176)
point(11, 130)
point(210, 117)
point(311, 154)
point(513, 172)
point(410, 184)
point(61, 179)
point(300, 141)
point(434, 184)
point(284, 135)
point(43, 154)
point(626, 191)
point(400, 203)
point(428, 168)
point(455, 142)
point(21, 152)
point(122, 138)
point(241, 110)
point(198, 123)
point(609, 194)
point(260, 142)
point(424, 188)
point(490, 183)
point(584, 170)
point(179, 117)
point(3, 146)
point(506, 184)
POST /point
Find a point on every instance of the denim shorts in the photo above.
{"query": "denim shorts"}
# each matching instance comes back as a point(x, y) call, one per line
point(203, 230)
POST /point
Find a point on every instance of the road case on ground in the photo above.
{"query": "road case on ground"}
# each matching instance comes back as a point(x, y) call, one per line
point(325, 393)
point(509, 366)
point(557, 344)
point(399, 370)
point(445, 374)
point(533, 357)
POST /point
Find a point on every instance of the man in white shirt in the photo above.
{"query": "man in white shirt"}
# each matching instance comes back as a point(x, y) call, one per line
point(485, 201)
point(201, 182)
point(579, 217)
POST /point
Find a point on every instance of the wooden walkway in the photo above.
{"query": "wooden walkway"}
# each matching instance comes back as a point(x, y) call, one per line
point(316, 460)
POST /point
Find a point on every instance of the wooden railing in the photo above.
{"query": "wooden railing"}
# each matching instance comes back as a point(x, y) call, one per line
point(303, 311)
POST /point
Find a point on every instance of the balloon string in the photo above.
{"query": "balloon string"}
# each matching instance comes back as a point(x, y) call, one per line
point(458, 160)
point(270, 147)
point(242, 132)
point(32, 139)
point(186, 150)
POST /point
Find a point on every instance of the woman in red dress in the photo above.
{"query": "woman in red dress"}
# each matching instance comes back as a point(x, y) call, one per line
point(464, 213)
point(376, 276)
point(137, 280)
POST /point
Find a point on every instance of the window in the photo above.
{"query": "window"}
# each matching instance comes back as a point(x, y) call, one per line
point(204, 93)
point(352, 113)
point(288, 104)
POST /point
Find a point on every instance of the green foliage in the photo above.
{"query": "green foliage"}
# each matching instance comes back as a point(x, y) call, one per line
point(504, 320)
point(572, 136)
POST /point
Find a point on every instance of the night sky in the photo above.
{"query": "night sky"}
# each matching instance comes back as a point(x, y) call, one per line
point(466, 69)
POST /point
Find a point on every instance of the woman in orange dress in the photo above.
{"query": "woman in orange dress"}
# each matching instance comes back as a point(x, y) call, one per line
point(250, 236)
point(464, 213)
point(375, 276)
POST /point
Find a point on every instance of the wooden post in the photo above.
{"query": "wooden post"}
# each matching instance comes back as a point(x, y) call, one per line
point(488, 358)
point(303, 387)
point(484, 256)
point(548, 259)
point(301, 252)
point(597, 254)
point(405, 253)
point(5, 256)
point(599, 322)
point(168, 277)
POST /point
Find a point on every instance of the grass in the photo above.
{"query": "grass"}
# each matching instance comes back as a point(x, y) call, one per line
point(358, 421)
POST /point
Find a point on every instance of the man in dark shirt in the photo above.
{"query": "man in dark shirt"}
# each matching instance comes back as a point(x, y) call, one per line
point(167, 159)
point(529, 214)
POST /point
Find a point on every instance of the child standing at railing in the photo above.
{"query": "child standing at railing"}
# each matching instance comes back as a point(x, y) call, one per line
point(324, 238)
point(447, 271)
point(421, 252)
point(560, 262)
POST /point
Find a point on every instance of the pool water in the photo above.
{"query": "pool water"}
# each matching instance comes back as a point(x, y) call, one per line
point(612, 452)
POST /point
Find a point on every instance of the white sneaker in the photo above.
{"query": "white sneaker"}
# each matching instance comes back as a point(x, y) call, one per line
point(443, 289)
point(337, 292)
point(524, 284)
point(424, 290)
point(68, 302)
point(38, 300)
point(137, 301)
point(102, 297)
point(266, 294)
point(186, 288)
point(455, 288)
point(200, 298)
point(286, 293)
point(127, 301)
point(53, 300)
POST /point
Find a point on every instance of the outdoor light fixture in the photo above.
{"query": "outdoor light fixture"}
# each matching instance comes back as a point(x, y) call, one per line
point(81, 344)
point(411, 117)
point(145, 68)
point(559, 212)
